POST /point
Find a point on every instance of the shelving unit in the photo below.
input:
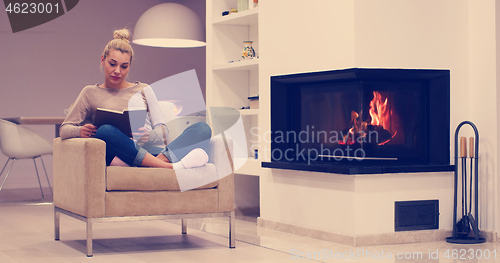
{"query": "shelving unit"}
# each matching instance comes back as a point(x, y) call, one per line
point(251, 64)
point(231, 80)
point(247, 17)
point(251, 167)
point(249, 112)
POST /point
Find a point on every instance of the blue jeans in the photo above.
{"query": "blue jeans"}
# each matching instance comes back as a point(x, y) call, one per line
point(118, 144)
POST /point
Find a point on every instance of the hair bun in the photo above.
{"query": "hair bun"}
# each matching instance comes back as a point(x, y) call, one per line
point(119, 42)
point(122, 34)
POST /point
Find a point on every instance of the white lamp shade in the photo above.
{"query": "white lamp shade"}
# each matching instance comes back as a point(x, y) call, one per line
point(169, 25)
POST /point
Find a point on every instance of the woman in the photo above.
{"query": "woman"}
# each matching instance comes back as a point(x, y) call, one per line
point(116, 93)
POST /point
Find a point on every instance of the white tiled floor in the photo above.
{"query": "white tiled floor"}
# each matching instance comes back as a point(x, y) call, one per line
point(26, 235)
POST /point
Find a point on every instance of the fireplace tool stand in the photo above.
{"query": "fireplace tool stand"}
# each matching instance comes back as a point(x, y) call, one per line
point(469, 192)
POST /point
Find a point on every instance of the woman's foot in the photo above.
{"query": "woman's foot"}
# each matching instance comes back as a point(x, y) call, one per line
point(118, 162)
point(195, 158)
point(151, 161)
point(163, 158)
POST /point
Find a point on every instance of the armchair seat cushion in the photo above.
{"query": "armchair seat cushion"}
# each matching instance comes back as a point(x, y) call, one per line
point(143, 203)
point(159, 179)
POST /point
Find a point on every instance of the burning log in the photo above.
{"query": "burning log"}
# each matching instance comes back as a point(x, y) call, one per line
point(373, 131)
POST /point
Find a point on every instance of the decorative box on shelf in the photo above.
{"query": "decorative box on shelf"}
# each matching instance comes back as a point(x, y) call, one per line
point(254, 102)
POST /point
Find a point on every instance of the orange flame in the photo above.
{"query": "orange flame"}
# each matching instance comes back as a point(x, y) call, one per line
point(380, 115)
point(378, 111)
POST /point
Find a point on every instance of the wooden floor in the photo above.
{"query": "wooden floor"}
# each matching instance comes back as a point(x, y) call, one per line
point(25, 196)
point(27, 235)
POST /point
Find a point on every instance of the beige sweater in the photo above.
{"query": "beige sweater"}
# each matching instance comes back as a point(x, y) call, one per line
point(92, 97)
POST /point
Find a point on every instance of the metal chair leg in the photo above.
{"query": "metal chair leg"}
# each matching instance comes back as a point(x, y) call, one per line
point(36, 170)
point(184, 226)
point(232, 238)
point(10, 168)
point(89, 237)
point(57, 223)
point(46, 176)
point(4, 167)
point(38, 177)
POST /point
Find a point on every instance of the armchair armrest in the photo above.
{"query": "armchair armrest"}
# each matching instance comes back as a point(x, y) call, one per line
point(79, 176)
point(218, 155)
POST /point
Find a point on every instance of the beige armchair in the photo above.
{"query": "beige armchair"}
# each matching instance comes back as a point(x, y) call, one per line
point(85, 189)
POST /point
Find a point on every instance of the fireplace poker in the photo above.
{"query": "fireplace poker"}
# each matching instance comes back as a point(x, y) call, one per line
point(463, 156)
point(471, 156)
point(463, 224)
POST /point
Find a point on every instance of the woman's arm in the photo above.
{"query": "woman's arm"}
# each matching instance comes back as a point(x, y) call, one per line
point(78, 114)
point(158, 131)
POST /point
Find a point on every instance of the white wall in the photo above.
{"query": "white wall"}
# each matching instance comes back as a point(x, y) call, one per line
point(376, 194)
point(446, 34)
point(43, 69)
point(484, 103)
point(315, 200)
point(299, 36)
point(495, 178)
point(417, 34)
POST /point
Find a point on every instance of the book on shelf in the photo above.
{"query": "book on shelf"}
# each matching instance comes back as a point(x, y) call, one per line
point(126, 121)
point(242, 5)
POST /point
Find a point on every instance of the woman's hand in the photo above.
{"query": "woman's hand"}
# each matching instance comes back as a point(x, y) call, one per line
point(88, 131)
point(143, 135)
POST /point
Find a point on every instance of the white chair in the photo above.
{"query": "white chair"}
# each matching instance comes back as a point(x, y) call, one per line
point(18, 142)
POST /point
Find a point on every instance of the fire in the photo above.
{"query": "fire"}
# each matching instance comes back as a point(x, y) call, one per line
point(378, 111)
point(380, 116)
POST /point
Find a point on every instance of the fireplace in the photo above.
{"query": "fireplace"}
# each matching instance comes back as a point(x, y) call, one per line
point(361, 121)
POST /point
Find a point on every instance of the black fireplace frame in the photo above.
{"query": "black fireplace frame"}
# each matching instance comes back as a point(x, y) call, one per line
point(437, 94)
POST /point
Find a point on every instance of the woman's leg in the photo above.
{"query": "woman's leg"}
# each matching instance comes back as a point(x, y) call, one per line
point(117, 144)
point(195, 136)
point(120, 145)
point(151, 161)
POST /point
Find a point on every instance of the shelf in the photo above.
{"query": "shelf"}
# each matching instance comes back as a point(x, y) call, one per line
point(249, 112)
point(247, 17)
point(251, 167)
point(231, 112)
point(249, 64)
point(229, 84)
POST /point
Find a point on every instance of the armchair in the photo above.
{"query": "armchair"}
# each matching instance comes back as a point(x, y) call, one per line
point(85, 189)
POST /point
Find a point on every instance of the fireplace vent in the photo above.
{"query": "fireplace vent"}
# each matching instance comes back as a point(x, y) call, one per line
point(416, 215)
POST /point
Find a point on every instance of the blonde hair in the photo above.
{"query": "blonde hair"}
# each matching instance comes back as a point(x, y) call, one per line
point(121, 42)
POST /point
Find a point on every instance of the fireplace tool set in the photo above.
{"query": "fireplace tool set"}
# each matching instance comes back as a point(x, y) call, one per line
point(466, 171)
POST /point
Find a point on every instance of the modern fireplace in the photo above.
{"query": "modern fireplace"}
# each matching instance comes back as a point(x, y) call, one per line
point(361, 121)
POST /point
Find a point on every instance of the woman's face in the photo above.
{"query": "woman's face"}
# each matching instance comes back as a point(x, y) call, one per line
point(116, 66)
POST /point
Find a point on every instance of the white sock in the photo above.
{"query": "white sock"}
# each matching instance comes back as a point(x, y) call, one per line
point(178, 166)
point(195, 158)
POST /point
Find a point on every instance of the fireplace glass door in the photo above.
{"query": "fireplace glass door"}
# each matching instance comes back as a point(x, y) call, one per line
point(361, 120)
point(370, 120)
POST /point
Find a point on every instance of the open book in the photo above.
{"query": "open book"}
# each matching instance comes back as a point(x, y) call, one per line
point(127, 121)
